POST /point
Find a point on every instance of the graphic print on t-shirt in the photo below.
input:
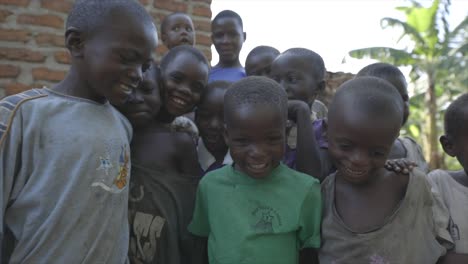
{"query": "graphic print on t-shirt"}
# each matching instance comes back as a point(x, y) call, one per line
point(113, 167)
point(147, 229)
point(264, 218)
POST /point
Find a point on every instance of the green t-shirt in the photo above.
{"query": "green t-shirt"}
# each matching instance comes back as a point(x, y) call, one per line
point(256, 221)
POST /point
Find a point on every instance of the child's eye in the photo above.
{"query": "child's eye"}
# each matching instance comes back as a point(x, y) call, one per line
point(378, 154)
point(292, 79)
point(344, 147)
point(176, 28)
point(176, 77)
point(189, 29)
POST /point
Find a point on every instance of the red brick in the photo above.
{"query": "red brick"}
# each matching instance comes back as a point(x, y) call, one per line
point(202, 25)
point(20, 54)
point(15, 2)
point(14, 88)
point(48, 39)
point(204, 11)
point(63, 6)
point(9, 71)
point(14, 35)
point(4, 14)
point(204, 1)
point(158, 18)
point(171, 5)
point(45, 74)
point(62, 57)
point(41, 20)
point(203, 40)
point(144, 2)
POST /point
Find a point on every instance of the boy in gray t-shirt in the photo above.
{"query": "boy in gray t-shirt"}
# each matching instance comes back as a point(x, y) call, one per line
point(64, 151)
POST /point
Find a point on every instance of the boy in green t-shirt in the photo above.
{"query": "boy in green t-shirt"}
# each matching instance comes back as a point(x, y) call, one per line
point(257, 210)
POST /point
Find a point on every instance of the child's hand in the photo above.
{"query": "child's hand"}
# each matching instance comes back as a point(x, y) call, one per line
point(400, 165)
point(297, 107)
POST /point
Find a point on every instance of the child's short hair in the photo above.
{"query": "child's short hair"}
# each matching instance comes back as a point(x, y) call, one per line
point(371, 95)
point(382, 70)
point(87, 15)
point(172, 53)
point(313, 58)
point(228, 14)
point(261, 50)
point(456, 116)
point(256, 90)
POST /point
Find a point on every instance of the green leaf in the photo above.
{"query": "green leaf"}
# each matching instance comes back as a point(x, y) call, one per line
point(384, 54)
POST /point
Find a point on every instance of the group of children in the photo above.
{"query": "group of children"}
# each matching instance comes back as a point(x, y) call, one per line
point(126, 160)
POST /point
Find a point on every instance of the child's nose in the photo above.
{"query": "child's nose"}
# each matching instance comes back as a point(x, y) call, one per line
point(136, 74)
point(359, 158)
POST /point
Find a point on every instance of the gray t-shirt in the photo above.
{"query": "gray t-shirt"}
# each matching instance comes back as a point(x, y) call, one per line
point(408, 236)
point(453, 218)
point(64, 169)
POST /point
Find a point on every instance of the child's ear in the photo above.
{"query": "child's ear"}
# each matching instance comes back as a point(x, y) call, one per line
point(74, 41)
point(447, 145)
point(245, 36)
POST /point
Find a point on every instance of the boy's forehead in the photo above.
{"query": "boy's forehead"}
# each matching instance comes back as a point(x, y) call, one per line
point(226, 21)
point(177, 18)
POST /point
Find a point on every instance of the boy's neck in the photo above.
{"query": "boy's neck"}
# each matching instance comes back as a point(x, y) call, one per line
point(235, 64)
point(75, 86)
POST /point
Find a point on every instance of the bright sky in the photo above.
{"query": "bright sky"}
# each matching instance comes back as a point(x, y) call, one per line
point(328, 27)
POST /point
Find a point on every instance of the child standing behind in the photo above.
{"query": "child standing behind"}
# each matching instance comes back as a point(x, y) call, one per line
point(212, 149)
point(228, 36)
point(165, 169)
point(372, 215)
point(451, 187)
point(177, 29)
point(301, 73)
point(403, 147)
point(259, 59)
point(64, 151)
point(246, 209)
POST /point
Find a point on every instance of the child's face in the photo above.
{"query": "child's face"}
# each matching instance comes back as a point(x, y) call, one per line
point(115, 58)
point(256, 139)
point(296, 76)
point(179, 30)
point(359, 145)
point(209, 118)
point(227, 37)
point(143, 105)
point(183, 81)
point(458, 146)
point(259, 65)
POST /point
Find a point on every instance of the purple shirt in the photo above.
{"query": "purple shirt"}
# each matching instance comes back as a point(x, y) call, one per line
point(226, 74)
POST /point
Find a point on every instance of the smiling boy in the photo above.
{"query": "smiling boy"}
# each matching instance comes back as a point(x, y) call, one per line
point(247, 210)
point(64, 151)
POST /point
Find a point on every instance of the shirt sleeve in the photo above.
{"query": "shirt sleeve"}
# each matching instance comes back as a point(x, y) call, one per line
point(10, 161)
point(440, 214)
point(200, 225)
point(310, 218)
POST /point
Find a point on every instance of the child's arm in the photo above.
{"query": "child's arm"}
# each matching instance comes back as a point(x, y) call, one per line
point(453, 258)
point(10, 163)
point(187, 157)
point(308, 156)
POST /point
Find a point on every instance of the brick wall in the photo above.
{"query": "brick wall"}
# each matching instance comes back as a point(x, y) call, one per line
point(32, 51)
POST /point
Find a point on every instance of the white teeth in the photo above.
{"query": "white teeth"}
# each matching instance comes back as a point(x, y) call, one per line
point(125, 88)
point(178, 101)
point(355, 172)
point(258, 166)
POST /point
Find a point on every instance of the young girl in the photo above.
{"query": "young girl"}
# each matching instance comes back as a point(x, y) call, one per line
point(451, 187)
point(165, 170)
point(372, 215)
